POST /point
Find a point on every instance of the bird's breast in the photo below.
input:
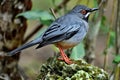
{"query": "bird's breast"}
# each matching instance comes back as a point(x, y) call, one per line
point(74, 40)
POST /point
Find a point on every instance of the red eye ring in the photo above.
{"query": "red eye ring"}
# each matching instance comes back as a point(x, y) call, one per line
point(83, 12)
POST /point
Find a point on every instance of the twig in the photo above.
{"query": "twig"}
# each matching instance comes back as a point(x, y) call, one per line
point(105, 58)
point(22, 72)
point(61, 5)
point(41, 25)
point(53, 12)
point(114, 25)
point(108, 38)
point(117, 31)
point(101, 7)
point(101, 3)
point(117, 24)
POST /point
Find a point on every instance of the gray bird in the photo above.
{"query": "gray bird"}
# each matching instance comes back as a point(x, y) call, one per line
point(65, 32)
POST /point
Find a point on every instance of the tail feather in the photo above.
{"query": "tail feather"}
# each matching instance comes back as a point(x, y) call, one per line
point(34, 42)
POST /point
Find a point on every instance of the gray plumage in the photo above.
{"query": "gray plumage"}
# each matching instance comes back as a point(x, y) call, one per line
point(70, 28)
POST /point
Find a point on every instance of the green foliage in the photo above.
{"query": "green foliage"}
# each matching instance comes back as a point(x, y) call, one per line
point(95, 3)
point(45, 17)
point(104, 25)
point(116, 59)
point(105, 28)
point(112, 39)
point(78, 52)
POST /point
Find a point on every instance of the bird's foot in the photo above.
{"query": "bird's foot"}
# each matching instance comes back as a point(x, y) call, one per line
point(67, 60)
point(64, 56)
point(60, 58)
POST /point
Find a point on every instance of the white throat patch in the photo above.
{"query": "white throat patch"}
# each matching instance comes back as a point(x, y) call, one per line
point(87, 14)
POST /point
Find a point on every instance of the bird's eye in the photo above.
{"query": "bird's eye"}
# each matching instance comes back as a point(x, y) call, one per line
point(83, 12)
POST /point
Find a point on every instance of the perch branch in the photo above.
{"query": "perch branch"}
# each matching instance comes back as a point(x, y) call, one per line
point(101, 3)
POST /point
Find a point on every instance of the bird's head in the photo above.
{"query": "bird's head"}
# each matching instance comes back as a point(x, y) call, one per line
point(83, 11)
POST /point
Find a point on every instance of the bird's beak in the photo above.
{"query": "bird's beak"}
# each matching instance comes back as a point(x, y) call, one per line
point(93, 9)
point(89, 11)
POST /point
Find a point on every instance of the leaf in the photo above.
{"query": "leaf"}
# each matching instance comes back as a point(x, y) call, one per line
point(78, 52)
point(44, 16)
point(37, 14)
point(46, 22)
point(117, 59)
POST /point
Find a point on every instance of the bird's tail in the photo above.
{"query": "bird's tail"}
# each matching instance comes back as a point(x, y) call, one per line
point(34, 42)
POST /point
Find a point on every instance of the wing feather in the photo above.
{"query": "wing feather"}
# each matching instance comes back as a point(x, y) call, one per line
point(59, 32)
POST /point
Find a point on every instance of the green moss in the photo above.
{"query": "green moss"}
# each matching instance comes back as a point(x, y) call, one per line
point(58, 70)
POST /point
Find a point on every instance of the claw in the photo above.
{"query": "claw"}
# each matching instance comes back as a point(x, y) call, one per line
point(60, 59)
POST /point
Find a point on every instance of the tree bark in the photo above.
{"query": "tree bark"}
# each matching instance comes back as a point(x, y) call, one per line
point(93, 33)
point(117, 29)
point(12, 30)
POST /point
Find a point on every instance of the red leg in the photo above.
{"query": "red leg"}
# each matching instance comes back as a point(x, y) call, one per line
point(64, 56)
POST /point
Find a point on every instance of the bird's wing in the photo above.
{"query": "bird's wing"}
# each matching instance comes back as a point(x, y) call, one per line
point(58, 32)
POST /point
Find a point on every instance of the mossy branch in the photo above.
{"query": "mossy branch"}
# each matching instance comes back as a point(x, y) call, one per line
point(55, 69)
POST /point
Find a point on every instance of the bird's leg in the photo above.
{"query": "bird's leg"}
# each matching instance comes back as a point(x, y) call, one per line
point(64, 56)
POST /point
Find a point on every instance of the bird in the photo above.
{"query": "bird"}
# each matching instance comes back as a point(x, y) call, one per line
point(65, 32)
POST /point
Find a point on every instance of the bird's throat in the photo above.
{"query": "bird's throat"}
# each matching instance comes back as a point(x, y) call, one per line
point(86, 18)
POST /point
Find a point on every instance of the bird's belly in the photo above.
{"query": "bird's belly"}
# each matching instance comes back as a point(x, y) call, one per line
point(66, 45)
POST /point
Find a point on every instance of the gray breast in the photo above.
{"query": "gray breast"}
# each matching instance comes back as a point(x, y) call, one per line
point(78, 37)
